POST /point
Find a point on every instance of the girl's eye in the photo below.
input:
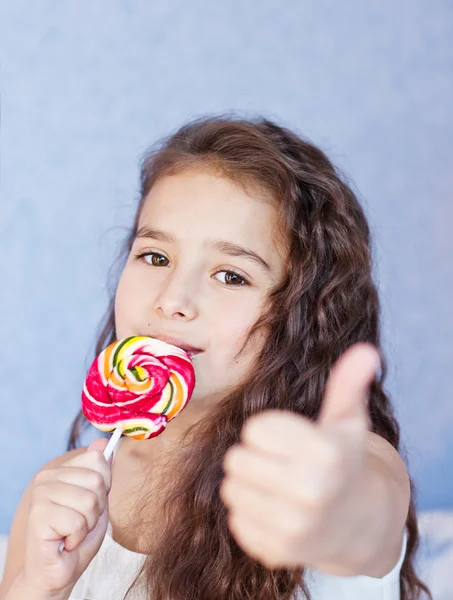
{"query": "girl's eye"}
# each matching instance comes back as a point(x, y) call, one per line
point(150, 256)
point(231, 278)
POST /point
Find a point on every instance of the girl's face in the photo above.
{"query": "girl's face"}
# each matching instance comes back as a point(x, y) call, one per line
point(203, 262)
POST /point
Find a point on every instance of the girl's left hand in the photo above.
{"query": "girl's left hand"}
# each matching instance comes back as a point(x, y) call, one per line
point(295, 488)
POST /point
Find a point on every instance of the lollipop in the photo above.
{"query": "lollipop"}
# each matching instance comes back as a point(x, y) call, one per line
point(135, 386)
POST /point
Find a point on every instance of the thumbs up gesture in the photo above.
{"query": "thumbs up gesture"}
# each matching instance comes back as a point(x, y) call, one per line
point(298, 491)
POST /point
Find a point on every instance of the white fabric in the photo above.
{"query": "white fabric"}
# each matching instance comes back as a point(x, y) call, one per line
point(328, 587)
point(109, 574)
point(113, 569)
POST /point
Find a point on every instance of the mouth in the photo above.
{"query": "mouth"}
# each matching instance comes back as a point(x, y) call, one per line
point(192, 351)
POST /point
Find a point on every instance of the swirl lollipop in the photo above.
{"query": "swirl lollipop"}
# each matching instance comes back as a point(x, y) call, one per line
point(135, 386)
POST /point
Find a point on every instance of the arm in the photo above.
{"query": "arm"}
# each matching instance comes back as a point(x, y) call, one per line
point(391, 506)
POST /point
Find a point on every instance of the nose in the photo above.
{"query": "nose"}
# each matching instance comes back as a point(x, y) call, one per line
point(176, 299)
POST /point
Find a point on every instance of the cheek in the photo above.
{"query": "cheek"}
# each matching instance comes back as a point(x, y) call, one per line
point(119, 317)
point(230, 335)
point(125, 305)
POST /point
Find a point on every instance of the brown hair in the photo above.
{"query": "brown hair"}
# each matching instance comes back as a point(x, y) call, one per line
point(326, 303)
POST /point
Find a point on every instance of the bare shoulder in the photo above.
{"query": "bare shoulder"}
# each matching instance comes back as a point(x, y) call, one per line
point(380, 447)
point(16, 538)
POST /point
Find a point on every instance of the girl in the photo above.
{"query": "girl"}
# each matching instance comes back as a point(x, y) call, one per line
point(281, 478)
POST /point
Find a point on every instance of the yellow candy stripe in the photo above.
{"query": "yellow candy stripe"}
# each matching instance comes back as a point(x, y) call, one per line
point(179, 392)
point(104, 360)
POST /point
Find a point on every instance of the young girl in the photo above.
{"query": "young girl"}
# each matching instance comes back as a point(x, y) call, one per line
point(281, 478)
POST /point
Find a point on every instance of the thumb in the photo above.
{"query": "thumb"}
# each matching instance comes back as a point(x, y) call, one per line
point(345, 397)
point(100, 445)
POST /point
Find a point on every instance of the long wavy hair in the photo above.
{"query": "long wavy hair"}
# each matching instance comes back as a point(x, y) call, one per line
point(326, 302)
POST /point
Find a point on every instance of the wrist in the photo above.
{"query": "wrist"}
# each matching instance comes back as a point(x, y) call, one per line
point(21, 588)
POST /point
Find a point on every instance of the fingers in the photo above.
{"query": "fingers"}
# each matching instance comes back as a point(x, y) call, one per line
point(68, 501)
point(73, 490)
point(309, 483)
point(53, 522)
point(67, 508)
point(262, 544)
point(252, 503)
point(284, 434)
point(94, 459)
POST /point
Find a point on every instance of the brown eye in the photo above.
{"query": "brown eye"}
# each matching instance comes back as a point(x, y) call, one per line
point(233, 279)
point(153, 259)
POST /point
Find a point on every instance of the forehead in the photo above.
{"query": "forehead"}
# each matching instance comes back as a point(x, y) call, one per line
point(199, 205)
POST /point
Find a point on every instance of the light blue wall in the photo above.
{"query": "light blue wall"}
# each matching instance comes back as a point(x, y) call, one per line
point(87, 86)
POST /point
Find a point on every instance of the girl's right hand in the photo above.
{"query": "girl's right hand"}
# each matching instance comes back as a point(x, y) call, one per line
point(68, 503)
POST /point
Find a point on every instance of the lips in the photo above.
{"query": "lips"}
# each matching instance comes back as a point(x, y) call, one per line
point(191, 350)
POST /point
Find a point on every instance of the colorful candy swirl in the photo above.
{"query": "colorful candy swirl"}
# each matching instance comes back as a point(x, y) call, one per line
point(138, 384)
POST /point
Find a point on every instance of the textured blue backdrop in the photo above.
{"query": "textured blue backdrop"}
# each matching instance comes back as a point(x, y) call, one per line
point(87, 86)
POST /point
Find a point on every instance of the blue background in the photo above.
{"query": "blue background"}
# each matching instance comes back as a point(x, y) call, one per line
point(86, 87)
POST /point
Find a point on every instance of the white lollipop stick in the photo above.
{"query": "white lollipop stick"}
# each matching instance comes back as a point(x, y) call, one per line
point(112, 442)
point(107, 453)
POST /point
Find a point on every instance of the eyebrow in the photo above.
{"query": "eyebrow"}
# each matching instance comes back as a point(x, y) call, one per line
point(219, 245)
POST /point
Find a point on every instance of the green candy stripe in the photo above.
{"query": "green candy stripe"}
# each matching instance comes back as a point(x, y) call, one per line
point(118, 350)
point(172, 393)
point(136, 375)
point(135, 429)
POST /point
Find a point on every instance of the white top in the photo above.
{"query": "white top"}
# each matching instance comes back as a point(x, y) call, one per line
point(113, 569)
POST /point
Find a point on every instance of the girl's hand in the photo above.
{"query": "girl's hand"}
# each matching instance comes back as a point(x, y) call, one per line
point(67, 503)
point(295, 488)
